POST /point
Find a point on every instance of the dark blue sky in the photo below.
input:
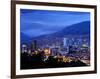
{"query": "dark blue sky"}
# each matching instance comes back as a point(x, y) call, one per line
point(38, 22)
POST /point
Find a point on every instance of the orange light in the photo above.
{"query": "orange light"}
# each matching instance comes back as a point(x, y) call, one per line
point(47, 51)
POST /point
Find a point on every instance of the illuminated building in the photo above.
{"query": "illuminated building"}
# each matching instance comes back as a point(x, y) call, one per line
point(64, 42)
point(24, 48)
point(29, 51)
point(47, 51)
point(66, 59)
point(84, 48)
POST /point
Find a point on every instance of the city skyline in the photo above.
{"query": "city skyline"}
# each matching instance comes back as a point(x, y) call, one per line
point(52, 39)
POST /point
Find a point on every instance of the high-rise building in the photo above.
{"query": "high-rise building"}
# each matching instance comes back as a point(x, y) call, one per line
point(24, 48)
point(64, 42)
point(34, 45)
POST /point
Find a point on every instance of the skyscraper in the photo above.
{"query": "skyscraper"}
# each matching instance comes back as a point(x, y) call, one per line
point(34, 45)
point(64, 42)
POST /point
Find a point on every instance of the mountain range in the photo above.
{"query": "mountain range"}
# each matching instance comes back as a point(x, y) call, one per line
point(79, 29)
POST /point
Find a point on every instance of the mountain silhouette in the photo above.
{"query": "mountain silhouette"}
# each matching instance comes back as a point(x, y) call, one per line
point(79, 29)
point(82, 28)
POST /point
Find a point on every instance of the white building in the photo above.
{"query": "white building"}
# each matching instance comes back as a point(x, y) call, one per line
point(64, 42)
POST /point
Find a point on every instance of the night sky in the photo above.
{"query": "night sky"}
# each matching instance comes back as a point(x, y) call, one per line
point(38, 22)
